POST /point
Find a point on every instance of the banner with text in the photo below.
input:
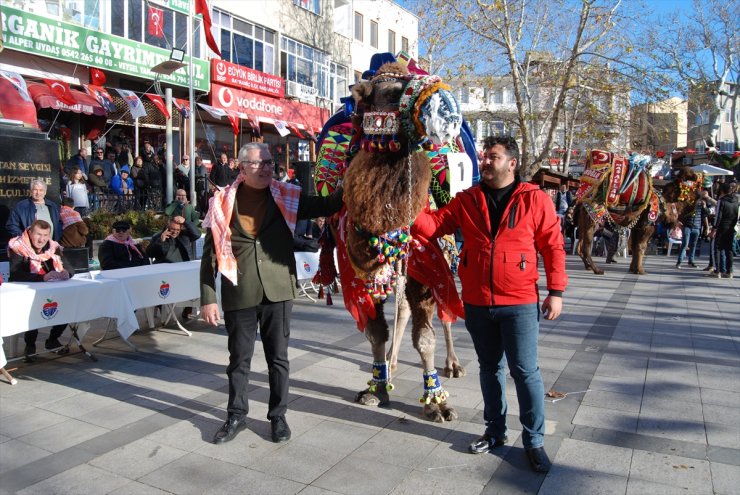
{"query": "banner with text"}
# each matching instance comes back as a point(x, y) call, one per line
point(266, 108)
point(31, 33)
point(237, 76)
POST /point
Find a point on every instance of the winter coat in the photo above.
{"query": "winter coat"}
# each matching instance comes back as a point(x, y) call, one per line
point(502, 271)
point(117, 182)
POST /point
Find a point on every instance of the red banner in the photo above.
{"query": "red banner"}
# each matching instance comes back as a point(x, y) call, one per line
point(159, 103)
point(236, 76)
point(155, 22)
point(267, 108)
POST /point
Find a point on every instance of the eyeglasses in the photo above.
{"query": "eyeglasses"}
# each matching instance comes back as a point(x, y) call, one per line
point(260, 163)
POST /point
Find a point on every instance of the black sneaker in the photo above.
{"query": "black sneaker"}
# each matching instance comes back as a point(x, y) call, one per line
point(678, 266)
point(230, 428)
point(52, 344)
point(280, 429)
point(692, 264)
point(487, 443)
point(538, 459)
point(28, 353)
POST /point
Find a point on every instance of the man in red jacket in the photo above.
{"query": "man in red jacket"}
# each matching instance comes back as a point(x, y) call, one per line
point(505, 224)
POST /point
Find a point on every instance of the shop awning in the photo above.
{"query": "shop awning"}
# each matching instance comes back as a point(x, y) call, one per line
point(44, 98)
point(14, 107)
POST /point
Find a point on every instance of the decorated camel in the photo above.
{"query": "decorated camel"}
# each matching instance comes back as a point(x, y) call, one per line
point(620, 191)
point(388, 155)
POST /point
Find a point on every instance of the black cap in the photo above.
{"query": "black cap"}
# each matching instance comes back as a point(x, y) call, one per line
point(121, 224)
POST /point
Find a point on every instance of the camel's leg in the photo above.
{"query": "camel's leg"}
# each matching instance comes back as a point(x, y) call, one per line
point(376, 333)
point(453, 368)
point(424, 339)
point(639, 237)
point(586, 229)
point(404, 313)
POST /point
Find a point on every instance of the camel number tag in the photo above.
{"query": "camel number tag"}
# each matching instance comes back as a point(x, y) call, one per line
point(460, 172)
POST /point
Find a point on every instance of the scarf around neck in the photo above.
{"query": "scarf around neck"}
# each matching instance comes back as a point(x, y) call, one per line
point(286, 197)
point(129, 242)
point(22, 246)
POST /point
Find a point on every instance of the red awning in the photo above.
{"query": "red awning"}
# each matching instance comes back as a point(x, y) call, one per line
point(14, 107)
point(44, 98)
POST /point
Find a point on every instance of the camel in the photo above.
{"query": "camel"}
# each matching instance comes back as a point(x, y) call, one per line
point(617, 190)
point(386, 184)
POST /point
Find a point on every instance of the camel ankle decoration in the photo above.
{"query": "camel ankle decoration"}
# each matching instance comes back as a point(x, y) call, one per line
point(399, 119)
point(620, 191)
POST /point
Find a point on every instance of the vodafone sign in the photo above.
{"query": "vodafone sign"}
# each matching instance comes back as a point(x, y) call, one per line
point(236, 76)
point(266, 107)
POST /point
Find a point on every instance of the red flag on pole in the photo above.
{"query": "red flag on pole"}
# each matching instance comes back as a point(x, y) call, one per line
point(234, 119)
point(294, 129)
point(201, 7)
point(155, 22)
point(61, 90)
point(97, 77)
point(159, 103)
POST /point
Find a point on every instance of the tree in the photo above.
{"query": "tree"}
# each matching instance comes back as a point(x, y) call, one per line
point(539, 47)
point(702, 52)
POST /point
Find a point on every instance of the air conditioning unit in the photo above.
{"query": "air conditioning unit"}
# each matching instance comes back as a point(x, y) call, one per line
point(292, 88)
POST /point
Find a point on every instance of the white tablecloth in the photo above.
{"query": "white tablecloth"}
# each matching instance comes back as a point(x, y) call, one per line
point(152, 285)
point(31, 305)
point(306, 264)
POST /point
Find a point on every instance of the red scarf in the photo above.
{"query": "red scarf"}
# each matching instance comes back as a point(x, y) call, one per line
point(22, 246)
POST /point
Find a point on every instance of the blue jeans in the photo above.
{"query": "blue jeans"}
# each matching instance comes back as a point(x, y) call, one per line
point(690, 236)
point(501, 334)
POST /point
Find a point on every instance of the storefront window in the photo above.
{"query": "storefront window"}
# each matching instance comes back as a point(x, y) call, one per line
point(245, 44)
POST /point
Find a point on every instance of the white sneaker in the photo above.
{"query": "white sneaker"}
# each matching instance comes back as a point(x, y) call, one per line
point(727, 275)
point(714, 275)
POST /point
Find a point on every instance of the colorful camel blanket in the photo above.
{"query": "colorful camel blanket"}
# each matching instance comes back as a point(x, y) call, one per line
point(426, 265)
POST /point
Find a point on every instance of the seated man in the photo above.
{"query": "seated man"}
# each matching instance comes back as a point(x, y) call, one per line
point(119, 250)
point(174, 243)
point(34, 257)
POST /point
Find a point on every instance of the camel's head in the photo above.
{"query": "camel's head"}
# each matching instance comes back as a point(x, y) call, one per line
point(399, 108)
point(683, 187)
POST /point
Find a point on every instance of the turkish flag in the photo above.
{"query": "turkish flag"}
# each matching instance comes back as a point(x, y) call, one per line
point(159, 103)
point(155, 22)
point(294, 129)
point(62, 91)
point(201, 7)
point(234, 119)
point(97, 77)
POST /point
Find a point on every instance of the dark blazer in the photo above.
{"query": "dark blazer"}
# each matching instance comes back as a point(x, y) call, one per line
point(161, 251)
point(266, 263)
point(113, 255)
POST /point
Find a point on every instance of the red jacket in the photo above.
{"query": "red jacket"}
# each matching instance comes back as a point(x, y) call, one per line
point(503, 272)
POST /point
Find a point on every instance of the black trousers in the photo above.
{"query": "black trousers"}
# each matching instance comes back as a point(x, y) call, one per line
point(56, 331)
point(273, 319)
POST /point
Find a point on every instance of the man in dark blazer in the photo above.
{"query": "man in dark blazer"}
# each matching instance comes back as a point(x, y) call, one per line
point(249, 240)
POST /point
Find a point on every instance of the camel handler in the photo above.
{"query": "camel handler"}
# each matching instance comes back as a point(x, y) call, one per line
point(499, 287)
point(249, 239)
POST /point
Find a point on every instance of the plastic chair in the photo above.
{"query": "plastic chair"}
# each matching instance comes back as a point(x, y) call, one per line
point(671, 243)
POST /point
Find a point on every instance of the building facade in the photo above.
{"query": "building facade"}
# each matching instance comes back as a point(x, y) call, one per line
point(712, 107)
point(660, 126)
point(381, 26)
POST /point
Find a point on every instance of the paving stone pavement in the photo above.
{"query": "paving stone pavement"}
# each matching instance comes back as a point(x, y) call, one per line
point(651, 366)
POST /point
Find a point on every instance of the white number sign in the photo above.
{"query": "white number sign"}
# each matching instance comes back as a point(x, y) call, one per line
point(460, 170)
